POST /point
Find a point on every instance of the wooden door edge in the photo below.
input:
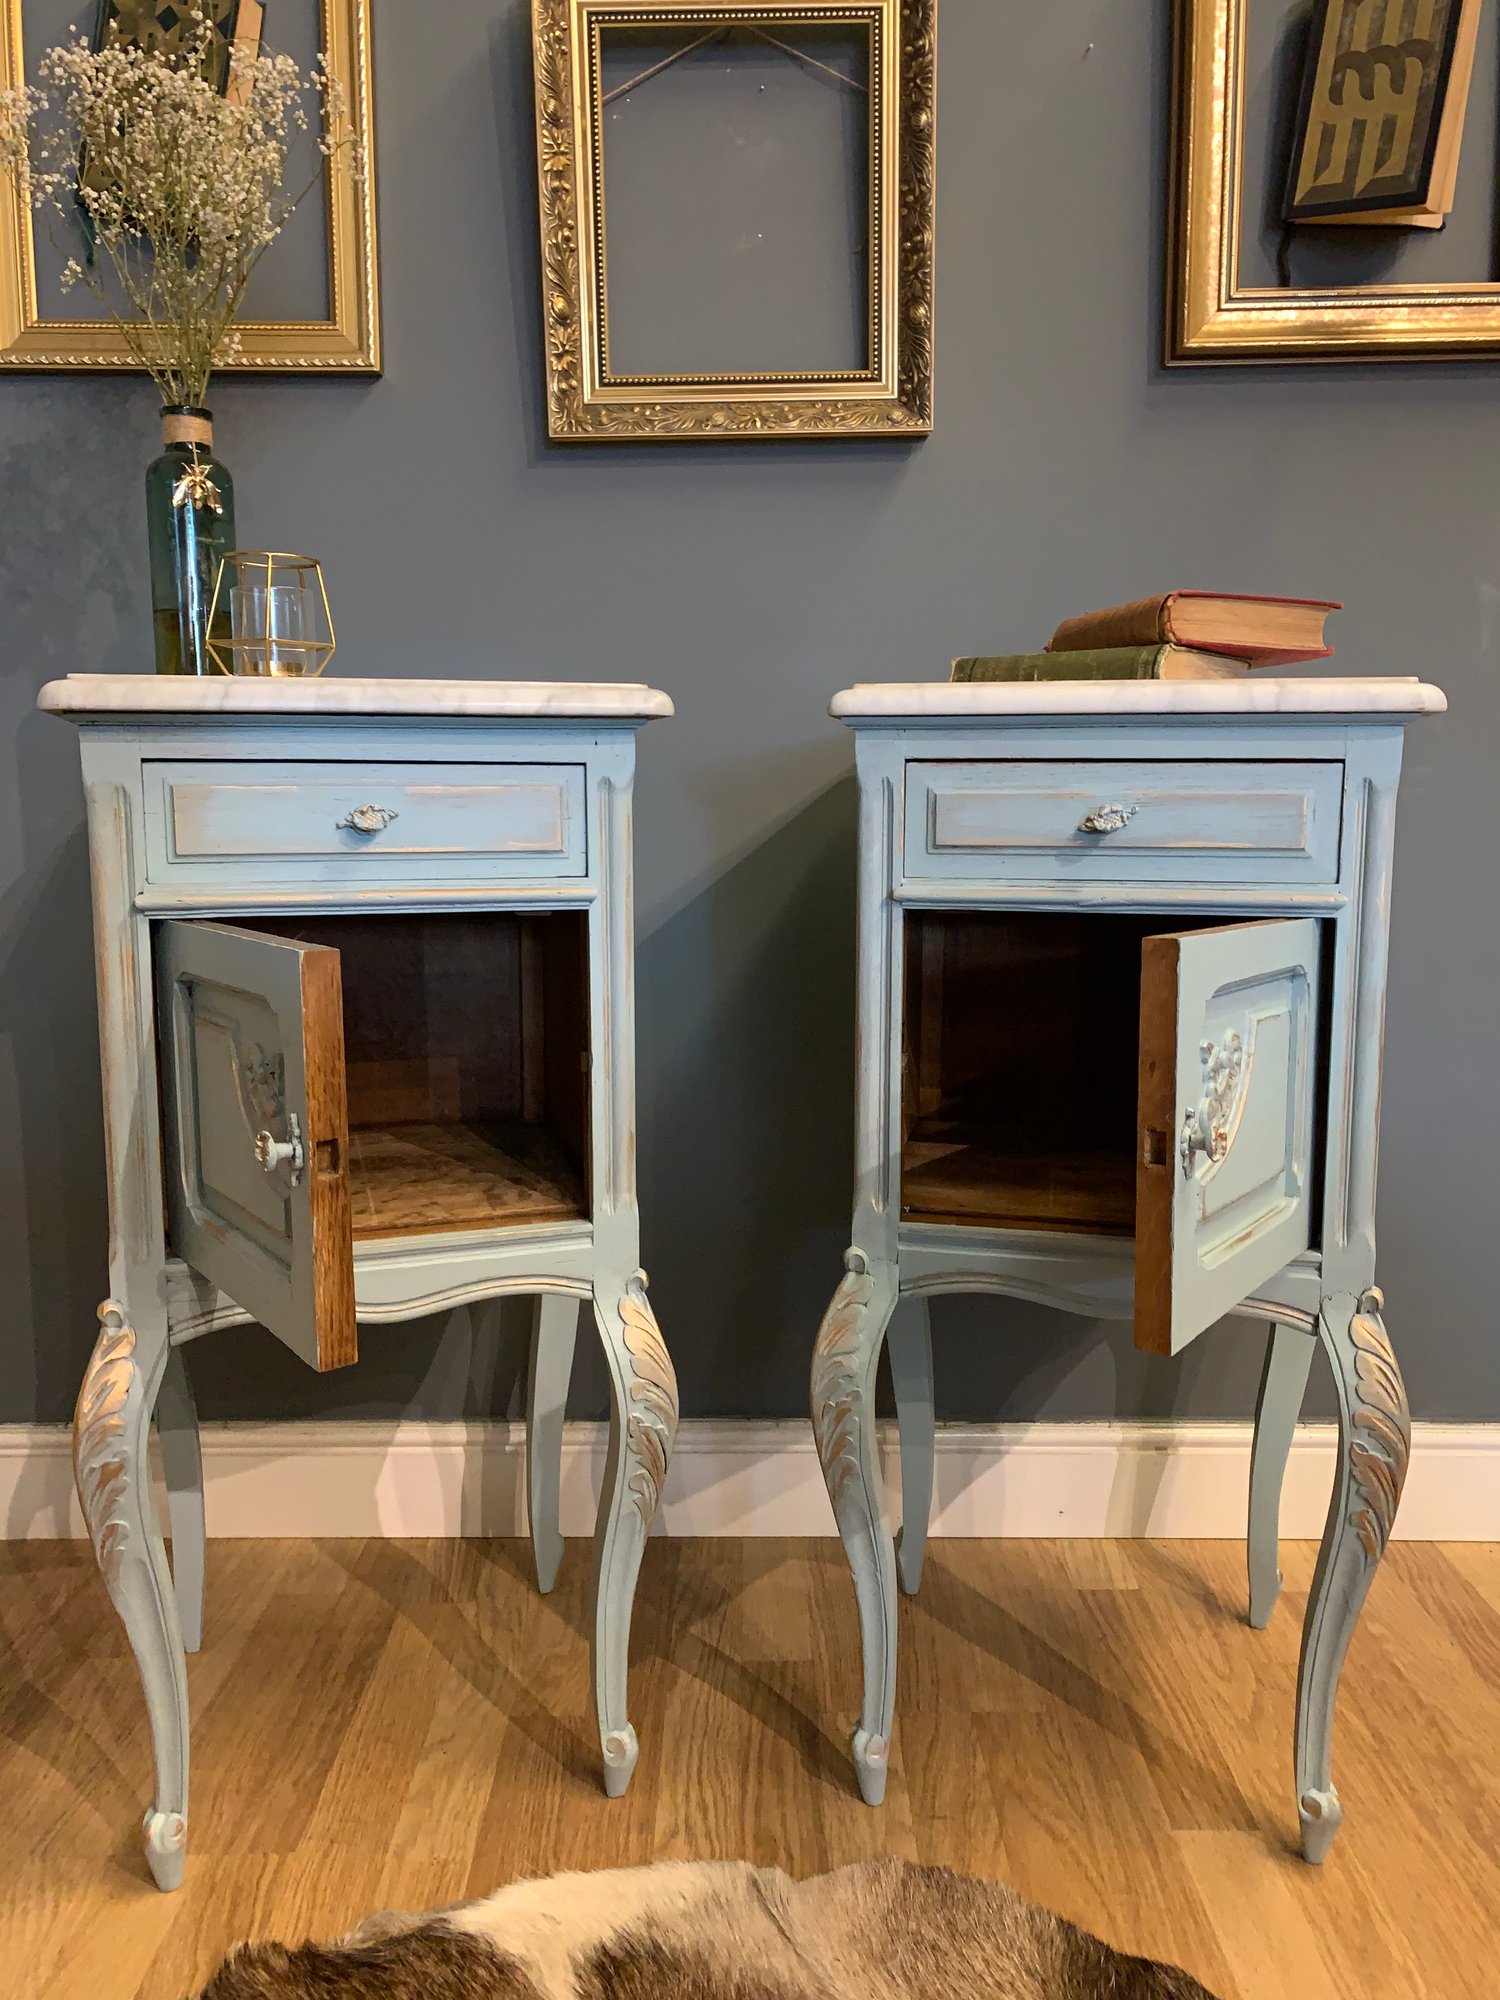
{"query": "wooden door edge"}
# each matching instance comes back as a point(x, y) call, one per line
point(327, 1165)
point(1156, 1142)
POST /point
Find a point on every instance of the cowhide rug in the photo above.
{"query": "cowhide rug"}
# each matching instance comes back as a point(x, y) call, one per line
point(883, 1930)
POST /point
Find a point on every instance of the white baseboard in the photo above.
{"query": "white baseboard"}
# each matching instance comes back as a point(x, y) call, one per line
point(736, 1477)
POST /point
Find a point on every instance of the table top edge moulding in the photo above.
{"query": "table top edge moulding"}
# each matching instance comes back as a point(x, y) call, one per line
point(228, 695)
point(916, 701)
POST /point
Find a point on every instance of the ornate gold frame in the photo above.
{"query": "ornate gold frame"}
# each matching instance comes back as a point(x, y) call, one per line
point(1211, 316)
point(346, 343)
point(892, 398)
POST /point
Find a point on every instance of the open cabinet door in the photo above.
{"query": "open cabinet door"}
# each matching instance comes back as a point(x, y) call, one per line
point(1224, 1198)
point(257, 1140)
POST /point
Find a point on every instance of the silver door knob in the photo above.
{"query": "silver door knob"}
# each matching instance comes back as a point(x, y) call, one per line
point(1106, 819)
point(1193, 1141)
point(289, 1152)
point(368, 819)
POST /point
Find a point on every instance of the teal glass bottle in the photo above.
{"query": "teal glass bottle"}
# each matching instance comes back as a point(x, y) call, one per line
point(190, 524)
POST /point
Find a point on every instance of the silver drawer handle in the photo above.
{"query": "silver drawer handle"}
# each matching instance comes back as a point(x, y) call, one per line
point(1106, 819)
point(1192, 1142)
point(368, 819)
point(289, 1152)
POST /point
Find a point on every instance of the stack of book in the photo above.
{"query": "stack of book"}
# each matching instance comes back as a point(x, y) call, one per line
point(1185, 635)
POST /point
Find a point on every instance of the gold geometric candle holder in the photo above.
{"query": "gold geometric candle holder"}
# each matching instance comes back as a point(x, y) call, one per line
point(269, 615)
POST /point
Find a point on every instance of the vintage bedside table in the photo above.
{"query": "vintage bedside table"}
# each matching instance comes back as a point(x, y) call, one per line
point(365, 970)
point(1121, 971)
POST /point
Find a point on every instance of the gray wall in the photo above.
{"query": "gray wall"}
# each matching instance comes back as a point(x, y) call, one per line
point(751, 582)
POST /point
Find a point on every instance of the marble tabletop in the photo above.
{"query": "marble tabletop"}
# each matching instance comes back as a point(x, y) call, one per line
point(1255, 694)
point(335, 695)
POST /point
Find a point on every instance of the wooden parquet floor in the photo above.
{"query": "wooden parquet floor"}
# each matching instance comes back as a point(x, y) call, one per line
point(387, 1724)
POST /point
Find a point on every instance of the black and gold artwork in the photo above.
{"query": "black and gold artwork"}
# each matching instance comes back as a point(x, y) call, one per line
point(161, 29)
point(1383, 98)
point(164, 27)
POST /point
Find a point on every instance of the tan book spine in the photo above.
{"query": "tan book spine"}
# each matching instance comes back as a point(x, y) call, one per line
point(1144, 623)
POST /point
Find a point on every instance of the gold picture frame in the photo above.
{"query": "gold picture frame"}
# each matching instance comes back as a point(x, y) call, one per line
point(892, 397)
point(347, 342)
point(1212, 317)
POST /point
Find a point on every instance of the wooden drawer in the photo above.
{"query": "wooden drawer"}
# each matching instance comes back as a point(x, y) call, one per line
point(1124, 822)
point(278, 822)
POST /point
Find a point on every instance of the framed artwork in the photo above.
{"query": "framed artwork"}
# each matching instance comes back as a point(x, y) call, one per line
point(1291, 125)
point(1378, 128)
point(736, 217)
point(313, 304)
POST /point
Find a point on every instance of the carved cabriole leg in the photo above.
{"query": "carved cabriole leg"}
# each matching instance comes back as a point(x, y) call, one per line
point(554, 1334)
point(111, 1465)
point(182, 1465)
point(908, 1341)
point(1283, 1383)
point(843, 1416)
point(643, 1423)
point(1374, 1446)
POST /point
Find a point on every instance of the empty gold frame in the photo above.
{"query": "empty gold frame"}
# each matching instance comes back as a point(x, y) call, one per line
point(1212, 314)
point(35, 333)
point(891, 395)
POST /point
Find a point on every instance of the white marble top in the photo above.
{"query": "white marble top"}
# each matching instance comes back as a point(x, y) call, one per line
point(1255, 694)
point(333, 695)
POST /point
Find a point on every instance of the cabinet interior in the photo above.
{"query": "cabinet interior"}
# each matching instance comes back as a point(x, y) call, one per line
point(466, 1039)
point(1019, 1072)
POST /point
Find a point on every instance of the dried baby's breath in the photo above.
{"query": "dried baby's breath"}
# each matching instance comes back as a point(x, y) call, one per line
point(181, 186)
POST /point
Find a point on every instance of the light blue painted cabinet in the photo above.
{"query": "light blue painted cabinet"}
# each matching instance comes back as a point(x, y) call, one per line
point(365, 967)
point(1121, 983)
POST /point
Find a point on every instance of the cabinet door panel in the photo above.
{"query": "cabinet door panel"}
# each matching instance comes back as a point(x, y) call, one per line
point(1224, 1195)
point(257, 1141)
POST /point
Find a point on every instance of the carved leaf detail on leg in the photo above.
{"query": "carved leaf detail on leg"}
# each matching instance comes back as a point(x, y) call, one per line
point(836, 1391)
point(1380, 1445)
point(1376, 1428)
point(99, 1454)
point(651, 1423)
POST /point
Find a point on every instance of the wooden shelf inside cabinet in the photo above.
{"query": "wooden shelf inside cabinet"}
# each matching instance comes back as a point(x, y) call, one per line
point(412, 1180)
point(467, 1063)
point(951, 1173)
point(1019, 1090)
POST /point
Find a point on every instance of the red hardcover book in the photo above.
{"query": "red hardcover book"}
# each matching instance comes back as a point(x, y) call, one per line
point(1266, 631)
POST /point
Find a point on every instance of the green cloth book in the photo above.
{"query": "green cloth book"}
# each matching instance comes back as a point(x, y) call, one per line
point(1104, 663)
